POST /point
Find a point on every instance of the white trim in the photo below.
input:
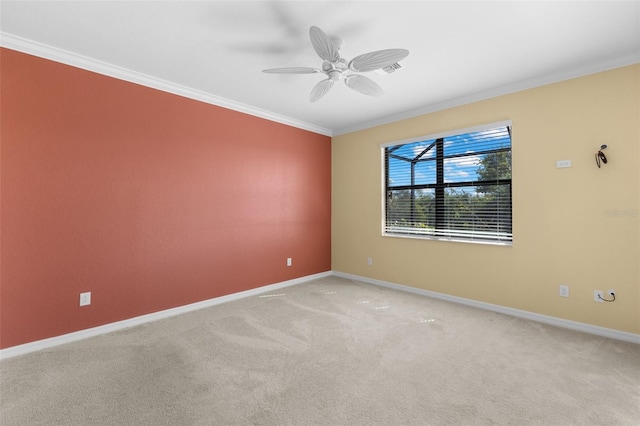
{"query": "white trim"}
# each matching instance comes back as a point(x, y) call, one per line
point(416, 236)
point(497, 91)
point(66, 57)
point(42, 50)
point(558, 322)
point(143, 319)
point(453, 132)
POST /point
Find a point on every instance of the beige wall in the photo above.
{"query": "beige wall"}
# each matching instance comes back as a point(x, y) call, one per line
point(577, 226)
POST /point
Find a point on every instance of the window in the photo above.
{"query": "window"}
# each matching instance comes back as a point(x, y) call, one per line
point(454, 186)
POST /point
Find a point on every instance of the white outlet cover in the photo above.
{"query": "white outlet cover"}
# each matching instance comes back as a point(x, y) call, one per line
point(85, 298)
point(564, 291)
point(598, 296)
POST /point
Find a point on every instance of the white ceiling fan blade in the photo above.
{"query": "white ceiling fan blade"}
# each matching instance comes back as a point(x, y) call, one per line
point(320, 89)
point(292, 70)
point(324, 47)
point(364, 85)
point(378, 59)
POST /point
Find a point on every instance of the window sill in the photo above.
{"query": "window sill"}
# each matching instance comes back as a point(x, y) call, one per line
point(449, 239)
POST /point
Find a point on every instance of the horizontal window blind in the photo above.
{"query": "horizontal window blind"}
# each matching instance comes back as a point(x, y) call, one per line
point(455, 187)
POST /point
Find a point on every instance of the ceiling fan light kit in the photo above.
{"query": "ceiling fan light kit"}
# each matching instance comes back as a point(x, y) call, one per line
point(337, 68)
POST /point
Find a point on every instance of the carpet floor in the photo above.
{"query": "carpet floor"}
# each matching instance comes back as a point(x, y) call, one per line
point(329, 352)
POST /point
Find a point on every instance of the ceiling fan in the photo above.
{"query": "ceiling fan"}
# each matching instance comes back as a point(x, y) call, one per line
point(337, 68)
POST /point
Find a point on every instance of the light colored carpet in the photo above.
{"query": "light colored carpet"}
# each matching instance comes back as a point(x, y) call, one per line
point(329, 352)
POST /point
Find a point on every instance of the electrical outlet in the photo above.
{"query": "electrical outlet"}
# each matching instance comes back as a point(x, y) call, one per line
point(369, 261)
point(611, 293)
point(598, 296)
point(85, 298)
point(564, 291)
point(289, 261)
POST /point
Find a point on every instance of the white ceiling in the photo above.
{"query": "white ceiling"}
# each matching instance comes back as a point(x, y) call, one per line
point(215, 50)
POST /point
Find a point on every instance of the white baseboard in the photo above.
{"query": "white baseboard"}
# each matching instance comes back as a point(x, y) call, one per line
point(559, 322)
point(131, 322)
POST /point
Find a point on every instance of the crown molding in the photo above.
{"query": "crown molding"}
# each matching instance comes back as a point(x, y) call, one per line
point(498, 91)
point(66, 57)
point(45, 51)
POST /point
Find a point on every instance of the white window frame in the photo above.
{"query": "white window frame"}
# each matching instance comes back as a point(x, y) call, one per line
point(383, 146)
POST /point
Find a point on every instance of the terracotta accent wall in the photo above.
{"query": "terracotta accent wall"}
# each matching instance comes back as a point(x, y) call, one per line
point(146, 199)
